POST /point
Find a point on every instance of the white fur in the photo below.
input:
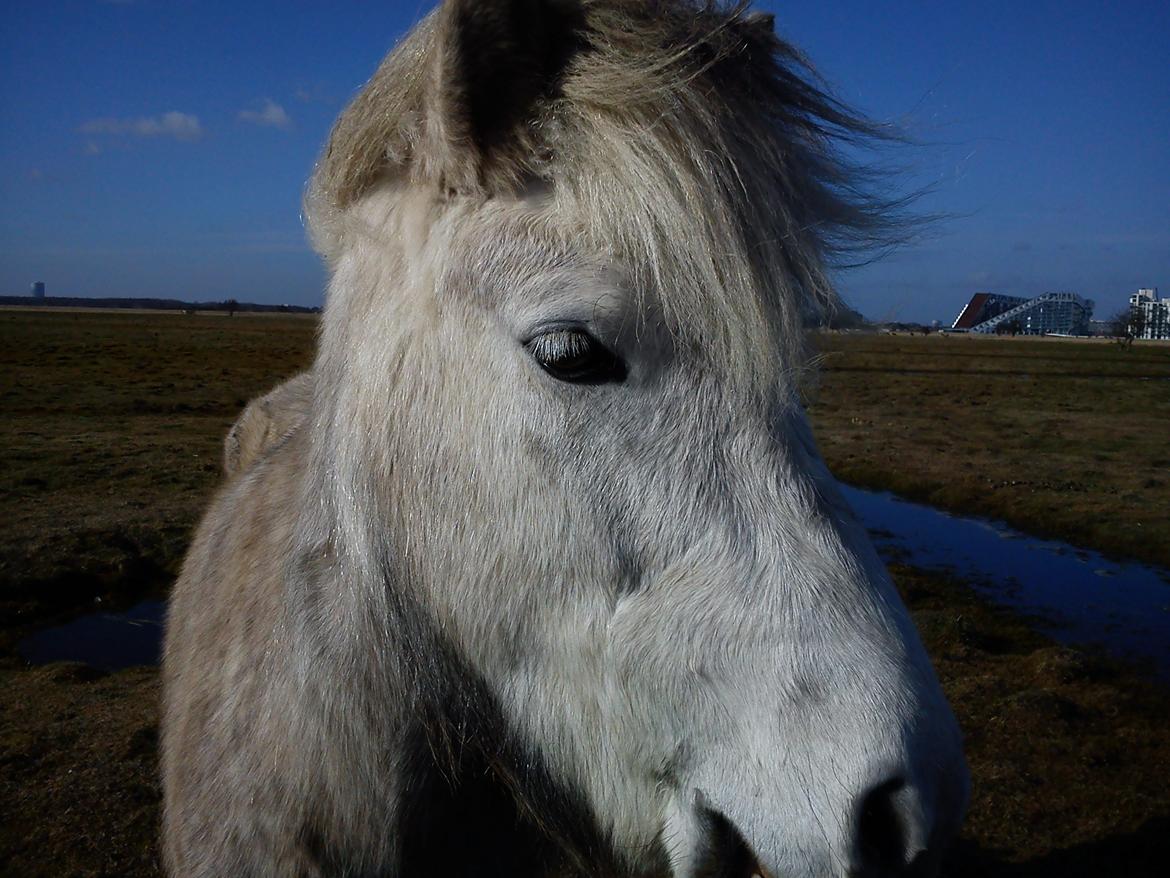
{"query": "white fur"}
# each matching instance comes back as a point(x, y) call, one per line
point(706, 665)
point(654, 583)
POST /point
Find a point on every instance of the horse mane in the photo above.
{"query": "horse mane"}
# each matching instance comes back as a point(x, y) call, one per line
point(685, 139)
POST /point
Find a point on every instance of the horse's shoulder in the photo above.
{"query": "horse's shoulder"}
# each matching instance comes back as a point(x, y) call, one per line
point(266, 421)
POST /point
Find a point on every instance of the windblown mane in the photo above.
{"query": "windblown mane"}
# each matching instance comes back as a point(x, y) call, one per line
point(686, 140)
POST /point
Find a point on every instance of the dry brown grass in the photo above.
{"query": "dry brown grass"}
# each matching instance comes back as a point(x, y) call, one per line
point(1069, 752)
point(1062, 439)
point(111, 443)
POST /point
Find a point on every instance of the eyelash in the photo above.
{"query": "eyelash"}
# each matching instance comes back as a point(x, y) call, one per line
point(576, 357)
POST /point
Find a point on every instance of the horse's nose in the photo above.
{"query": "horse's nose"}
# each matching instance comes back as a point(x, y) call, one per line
point(898, 833)
point(895, 819)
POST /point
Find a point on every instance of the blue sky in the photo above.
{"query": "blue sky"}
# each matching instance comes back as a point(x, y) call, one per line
point(160, 147)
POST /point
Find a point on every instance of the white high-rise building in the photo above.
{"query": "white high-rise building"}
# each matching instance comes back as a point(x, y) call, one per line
point(1154, 322)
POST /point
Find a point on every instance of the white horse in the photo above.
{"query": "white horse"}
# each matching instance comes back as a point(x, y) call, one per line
point(544, 574)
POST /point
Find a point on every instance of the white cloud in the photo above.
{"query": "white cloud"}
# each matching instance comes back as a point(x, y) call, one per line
point(181, 126)
point(314, 95)
point(271, 115)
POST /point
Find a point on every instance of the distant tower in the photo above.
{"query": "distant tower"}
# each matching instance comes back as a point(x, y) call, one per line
point(38, 289)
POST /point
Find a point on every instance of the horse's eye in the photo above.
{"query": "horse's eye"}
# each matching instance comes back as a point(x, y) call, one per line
point(577, 357)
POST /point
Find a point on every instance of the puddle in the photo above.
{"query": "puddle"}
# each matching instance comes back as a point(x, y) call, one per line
point(1123, 607)
point(1089, 599)
point(109, 641)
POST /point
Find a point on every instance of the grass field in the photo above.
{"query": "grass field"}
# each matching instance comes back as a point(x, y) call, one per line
point(112, 428)
point(112, 432)
point(1059, 438)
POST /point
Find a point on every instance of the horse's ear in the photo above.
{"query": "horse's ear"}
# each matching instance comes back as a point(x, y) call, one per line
point(762, 21)
point(496, 62)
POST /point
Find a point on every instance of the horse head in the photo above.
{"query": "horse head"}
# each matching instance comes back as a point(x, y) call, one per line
point(558, 488)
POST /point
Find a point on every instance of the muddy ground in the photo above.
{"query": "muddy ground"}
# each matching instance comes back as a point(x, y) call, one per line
point(102, 476)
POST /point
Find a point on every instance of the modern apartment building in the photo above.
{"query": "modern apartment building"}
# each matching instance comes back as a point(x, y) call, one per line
point(1046, 314)
point(1154, 321)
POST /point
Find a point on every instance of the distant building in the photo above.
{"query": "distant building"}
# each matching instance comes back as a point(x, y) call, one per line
point(1046, 314)
point(984, 307)
point(1155, 322)
point(38, 289)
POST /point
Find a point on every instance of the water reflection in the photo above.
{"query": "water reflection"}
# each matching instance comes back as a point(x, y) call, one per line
point(109, 641)
point(1088, 598)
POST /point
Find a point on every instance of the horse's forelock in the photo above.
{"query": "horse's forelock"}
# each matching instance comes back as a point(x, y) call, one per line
point(686, 139)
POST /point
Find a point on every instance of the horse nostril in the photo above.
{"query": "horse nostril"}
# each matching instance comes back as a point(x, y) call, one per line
point(728, 854)
point(882, 834)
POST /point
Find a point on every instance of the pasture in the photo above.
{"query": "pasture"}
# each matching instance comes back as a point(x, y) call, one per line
point(112, 430)
point(1059, 438)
